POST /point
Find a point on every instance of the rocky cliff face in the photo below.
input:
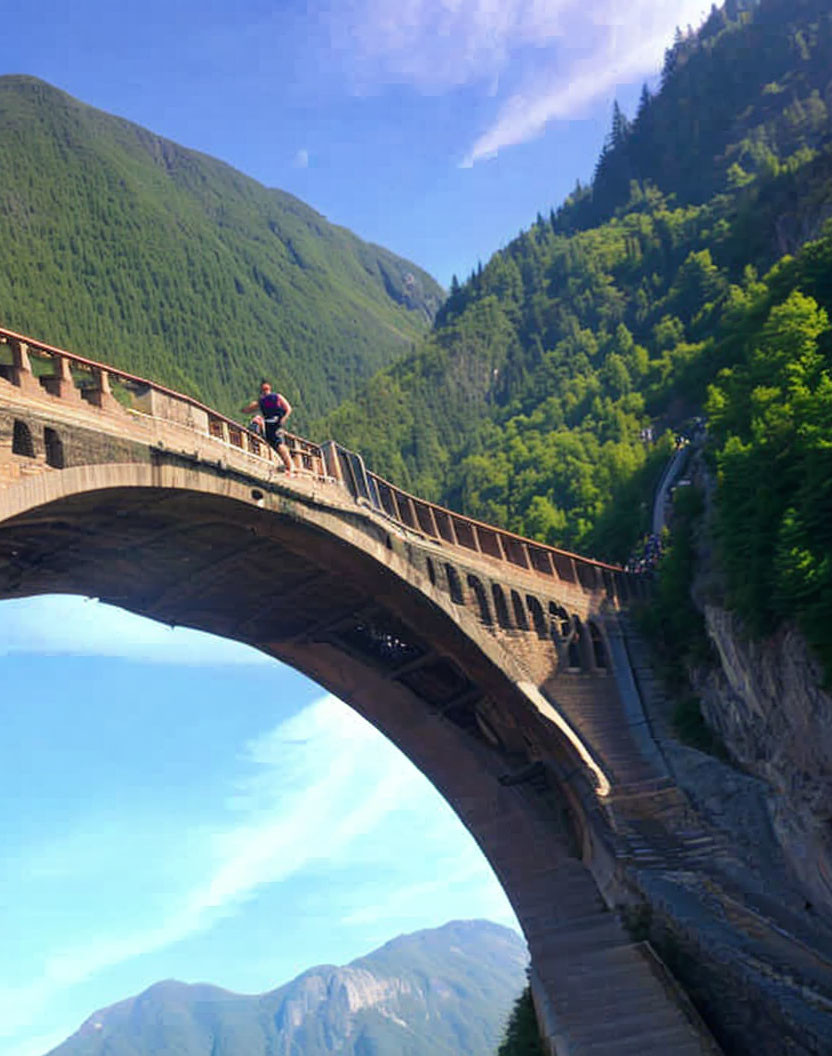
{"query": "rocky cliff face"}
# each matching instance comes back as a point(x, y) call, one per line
point(765, 700)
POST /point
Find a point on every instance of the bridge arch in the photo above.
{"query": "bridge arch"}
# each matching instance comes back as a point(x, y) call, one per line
point(182, 519)
point(186, 546)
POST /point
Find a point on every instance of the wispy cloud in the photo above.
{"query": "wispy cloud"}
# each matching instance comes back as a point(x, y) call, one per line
point(321, 788)
point(440, 44)
point(541, 60)
point(613, 44)
point(60, 625)
point(301, 159)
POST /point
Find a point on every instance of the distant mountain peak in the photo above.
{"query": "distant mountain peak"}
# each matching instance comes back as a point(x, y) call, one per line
point(438, 992)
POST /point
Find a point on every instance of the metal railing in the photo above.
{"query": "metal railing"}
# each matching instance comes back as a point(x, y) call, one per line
point(328, 461)
point(447, 527)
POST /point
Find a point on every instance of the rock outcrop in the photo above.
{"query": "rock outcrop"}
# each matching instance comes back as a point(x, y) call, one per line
point(765, 700)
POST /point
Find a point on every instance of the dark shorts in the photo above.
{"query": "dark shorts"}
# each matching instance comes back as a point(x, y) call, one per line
point(274, 434)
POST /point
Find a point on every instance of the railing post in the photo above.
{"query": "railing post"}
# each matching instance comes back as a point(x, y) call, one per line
point(100, 394)
point(329, 450)
point(433, 524)
point(60, 383)
point(21, 372)
point(20, 356)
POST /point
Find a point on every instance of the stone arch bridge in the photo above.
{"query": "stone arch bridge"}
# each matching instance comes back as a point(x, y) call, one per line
point(497, 664)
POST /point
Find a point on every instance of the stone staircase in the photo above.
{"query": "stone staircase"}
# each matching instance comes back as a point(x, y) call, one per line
point(606, 993)
point(693, 876)
point(607, 1004)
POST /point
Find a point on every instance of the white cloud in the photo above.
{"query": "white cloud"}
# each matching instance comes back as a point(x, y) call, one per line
point(540, 59)
point(616, 44)
point(70, 626)
point(301, 159)
point(321, 787)
point(438, 44)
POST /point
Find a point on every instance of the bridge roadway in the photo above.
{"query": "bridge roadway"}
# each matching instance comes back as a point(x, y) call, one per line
point(498, 665)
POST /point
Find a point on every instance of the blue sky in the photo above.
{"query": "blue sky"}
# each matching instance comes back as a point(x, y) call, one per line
point(437, 128)
point(173, 806)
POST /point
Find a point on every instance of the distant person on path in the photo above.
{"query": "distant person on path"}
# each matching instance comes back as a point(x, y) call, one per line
point(275, 409)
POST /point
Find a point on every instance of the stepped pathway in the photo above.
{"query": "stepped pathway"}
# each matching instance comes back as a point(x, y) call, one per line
point(608, 995)
point(602, 722)
point(679, 859)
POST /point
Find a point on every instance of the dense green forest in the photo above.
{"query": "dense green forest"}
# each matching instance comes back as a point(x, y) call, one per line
point(690, 276)
point(693, 273)
point(128, 248)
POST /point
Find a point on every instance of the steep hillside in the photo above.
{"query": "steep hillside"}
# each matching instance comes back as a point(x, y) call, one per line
point(129, 248)
point(445, 992)
point(529, 403)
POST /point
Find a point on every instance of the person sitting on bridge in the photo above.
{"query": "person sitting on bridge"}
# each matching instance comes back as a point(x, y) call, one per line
point(275, 409)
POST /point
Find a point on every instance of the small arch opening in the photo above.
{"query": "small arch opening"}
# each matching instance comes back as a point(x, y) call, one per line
point(520, 617)
point(574, 645)
point(454, 585)
point(54, 448)
point(482, 600)
point(560, 624)
point(599, 651)
point(538, 616)
point(501, 607)
point(22, 442)
point(431, 572)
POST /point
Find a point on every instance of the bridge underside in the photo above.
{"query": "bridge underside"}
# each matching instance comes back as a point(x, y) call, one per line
point(489, 708)
point(498, 665)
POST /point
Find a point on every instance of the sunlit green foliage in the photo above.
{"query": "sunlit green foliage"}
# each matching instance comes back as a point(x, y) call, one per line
point(771, 420)
point(528, 403)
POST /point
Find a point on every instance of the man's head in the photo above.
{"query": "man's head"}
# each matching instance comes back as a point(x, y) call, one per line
point(265, 388)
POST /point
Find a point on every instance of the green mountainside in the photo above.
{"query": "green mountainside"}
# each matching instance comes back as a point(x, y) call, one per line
point(443, 992)
point(695, 273)
point(126, 247)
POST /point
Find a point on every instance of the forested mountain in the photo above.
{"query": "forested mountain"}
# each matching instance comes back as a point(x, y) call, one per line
point(126, 247)
point(444, 992)
point(703, 246)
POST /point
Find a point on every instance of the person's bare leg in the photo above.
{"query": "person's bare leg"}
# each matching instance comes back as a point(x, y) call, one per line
point(283, 451)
